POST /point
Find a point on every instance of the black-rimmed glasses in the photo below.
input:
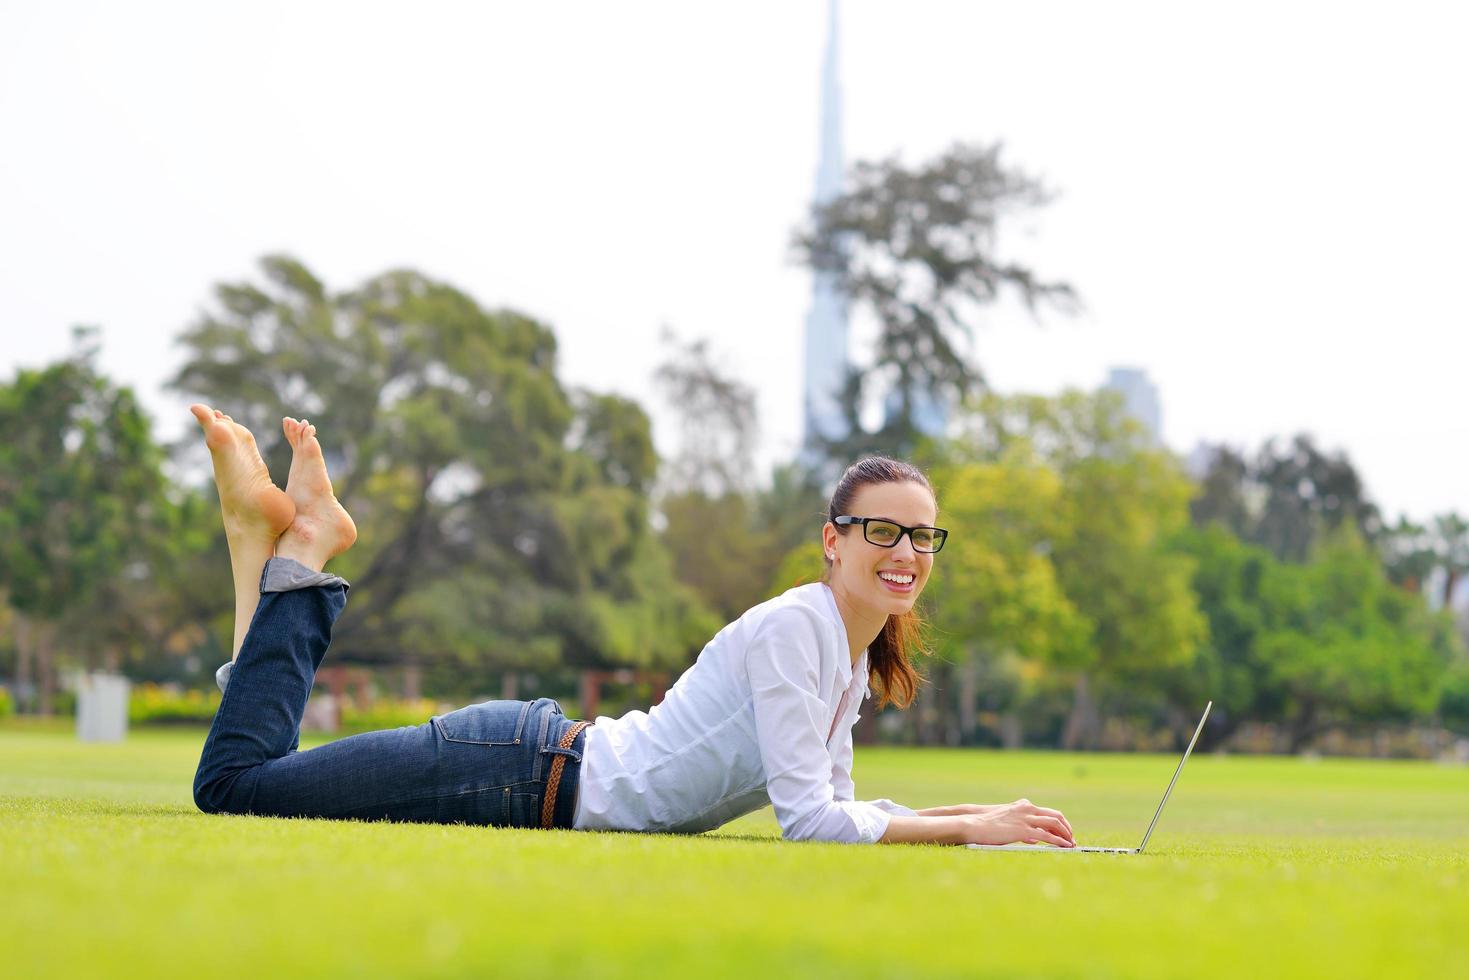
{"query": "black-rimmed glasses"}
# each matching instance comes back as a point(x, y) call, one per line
point(887, 534)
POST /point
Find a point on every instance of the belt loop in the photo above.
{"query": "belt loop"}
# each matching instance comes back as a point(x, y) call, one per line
point(553, 782)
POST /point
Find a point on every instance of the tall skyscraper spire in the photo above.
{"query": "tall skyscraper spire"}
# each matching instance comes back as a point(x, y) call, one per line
point(826, 322)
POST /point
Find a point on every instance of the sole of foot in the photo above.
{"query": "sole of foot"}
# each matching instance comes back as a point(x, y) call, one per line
point(254, 508)
point(322, 528)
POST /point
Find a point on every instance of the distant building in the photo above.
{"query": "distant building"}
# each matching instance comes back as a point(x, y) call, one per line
point(1139, 399)
point(930, 414)
point(826, 322)
point(1200, 460)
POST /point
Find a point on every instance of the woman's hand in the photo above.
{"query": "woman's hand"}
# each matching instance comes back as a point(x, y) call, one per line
point(1008, 823)
point(982, 823)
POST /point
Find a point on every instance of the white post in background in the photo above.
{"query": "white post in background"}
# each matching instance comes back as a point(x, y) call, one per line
point(102, 707)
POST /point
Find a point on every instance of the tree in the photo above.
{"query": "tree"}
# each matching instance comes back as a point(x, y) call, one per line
point(82, 513)
point(1451, 545)
point(1224, 494)
point(1454, 699)
point(917, 247)
point(1310, 646)
point(997, 596)
point(1287, 498)
point(1429, 559)
point(1409, 553)
point(1121, 502)
point(1235, 582)
point(505, 520)
point(720, 545)
point(1349, 647)
point(790, 510)
point(718, 424)
point(1309, 492)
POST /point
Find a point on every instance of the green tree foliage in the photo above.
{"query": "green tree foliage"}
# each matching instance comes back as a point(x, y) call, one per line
point(718, 549)
point(997, 589)
point(1119, 504)
point(1416, 554)
point(1233, 581)
point(83, 514)
point(1314, 645)
point(1454, 699)
point(918, 248)
point(1410, 553)
point(725, 535)
point(1352, 647)
point(791, 510)
point(504, 519)
point(1287, 498)
point(1000, 618)
point(717, 420)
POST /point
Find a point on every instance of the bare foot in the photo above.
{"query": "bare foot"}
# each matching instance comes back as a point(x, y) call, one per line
point(322, 528)
point(255, 509)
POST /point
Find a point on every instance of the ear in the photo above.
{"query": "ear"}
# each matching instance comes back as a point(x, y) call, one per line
point(829, 540)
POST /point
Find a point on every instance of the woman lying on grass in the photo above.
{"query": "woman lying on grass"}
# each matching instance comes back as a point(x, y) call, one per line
point(764, 716)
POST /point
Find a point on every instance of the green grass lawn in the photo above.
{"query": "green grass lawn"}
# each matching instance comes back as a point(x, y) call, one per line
point(1260, 867)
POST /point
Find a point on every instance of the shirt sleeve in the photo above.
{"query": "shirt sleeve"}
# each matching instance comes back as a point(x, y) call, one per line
point(841, 772)
point(784, 666)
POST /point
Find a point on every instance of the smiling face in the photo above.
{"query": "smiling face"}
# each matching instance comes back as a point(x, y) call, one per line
point(873, 580)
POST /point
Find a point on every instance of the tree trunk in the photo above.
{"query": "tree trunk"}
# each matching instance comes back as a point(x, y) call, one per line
point(1303, 728)
point(412, 681)
point(968, 701)
point(931, 706)
point(1012, 735)
point(45, 670)
point(1081, 724)
point(25, 697)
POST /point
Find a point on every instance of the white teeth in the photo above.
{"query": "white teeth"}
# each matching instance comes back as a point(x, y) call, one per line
point(896, 578)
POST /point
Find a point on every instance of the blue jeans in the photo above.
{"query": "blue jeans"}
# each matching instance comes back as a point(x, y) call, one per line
point(484, 764)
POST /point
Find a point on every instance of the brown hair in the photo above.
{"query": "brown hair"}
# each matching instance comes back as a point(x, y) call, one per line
point(890, 657)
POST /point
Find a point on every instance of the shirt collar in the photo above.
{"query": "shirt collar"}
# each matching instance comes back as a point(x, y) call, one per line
point(846, 670)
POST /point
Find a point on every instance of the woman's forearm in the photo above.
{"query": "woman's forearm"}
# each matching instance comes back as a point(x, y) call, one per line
point(927, 828)
point(943, 811)
point(972, 823)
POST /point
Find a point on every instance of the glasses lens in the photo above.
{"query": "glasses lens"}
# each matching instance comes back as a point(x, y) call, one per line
point(929, 539)
point(882, 533)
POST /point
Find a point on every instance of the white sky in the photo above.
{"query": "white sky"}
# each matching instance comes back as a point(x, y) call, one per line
point(1263, 205)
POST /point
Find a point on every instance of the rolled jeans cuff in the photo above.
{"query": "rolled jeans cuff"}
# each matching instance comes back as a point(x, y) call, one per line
point(283, 575)
point(288, 574)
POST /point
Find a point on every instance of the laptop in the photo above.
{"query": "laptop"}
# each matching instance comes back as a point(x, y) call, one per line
point(1050, 848)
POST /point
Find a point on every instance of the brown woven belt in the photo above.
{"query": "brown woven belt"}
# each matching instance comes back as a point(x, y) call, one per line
point(553, 782)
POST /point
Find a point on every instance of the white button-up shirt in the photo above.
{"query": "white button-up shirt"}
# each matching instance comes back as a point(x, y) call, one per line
point(763, 716)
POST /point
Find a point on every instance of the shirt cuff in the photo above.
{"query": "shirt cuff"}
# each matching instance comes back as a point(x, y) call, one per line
point(898, 809)
point(871, 821)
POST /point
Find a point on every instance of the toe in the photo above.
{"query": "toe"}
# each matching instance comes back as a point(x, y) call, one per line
point(202, 413)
